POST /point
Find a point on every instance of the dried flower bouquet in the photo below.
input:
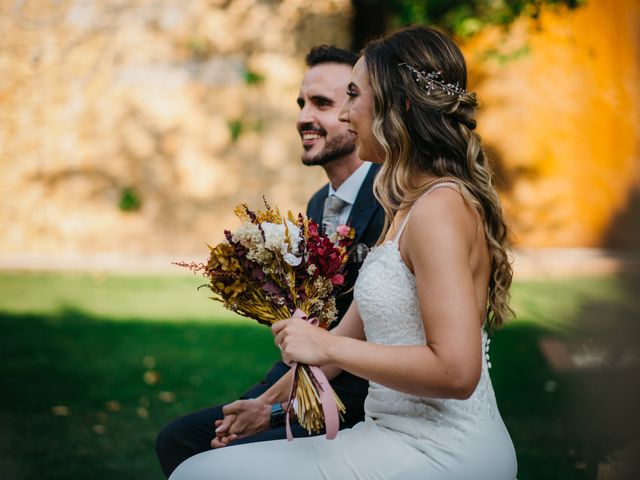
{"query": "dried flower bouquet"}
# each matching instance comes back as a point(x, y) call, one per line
point(272, 268)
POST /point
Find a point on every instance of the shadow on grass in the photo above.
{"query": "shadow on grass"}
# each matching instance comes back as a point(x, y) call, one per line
point(574, 422)
point(539, 407)
point(121, 381)
point(117, 384)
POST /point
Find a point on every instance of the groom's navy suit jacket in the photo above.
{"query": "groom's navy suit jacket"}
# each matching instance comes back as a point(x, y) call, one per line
point(367, 219)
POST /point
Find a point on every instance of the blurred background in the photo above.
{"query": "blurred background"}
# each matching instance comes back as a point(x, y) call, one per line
point(130, 129)
point(137, 126)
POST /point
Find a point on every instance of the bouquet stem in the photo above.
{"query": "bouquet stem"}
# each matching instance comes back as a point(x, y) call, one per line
point(308, 406)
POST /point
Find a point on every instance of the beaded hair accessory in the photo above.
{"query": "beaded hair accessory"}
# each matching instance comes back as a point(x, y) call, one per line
point(433, 80)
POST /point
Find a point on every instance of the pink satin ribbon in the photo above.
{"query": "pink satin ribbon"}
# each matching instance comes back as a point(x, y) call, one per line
point(328, 402)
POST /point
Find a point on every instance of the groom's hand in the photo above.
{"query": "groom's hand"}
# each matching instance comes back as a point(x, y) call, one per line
point(242, 418)
point(223, 438)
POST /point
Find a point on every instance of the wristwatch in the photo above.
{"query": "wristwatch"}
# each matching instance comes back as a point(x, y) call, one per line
point(277, 416)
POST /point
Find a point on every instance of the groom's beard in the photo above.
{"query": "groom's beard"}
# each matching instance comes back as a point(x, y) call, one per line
point(337, 147)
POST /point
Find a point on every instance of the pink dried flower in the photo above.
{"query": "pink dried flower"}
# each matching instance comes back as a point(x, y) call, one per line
point(343, 230)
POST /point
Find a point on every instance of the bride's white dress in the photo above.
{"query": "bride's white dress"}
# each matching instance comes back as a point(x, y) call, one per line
point(403, 436)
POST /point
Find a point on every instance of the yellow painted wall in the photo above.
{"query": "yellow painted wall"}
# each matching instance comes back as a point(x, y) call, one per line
point(561, 113)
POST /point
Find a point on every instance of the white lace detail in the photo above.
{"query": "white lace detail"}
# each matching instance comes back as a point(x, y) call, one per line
point(388, 304)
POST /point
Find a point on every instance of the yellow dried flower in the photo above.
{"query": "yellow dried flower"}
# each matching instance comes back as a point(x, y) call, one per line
point(270, 216)
point(223, 257)
point(236, 288)
point(241, 212)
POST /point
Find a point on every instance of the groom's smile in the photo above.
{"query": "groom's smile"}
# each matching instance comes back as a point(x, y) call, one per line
point(311, 136)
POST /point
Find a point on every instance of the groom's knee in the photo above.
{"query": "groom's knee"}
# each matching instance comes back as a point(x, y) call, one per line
point(186, 436)
point(168, 447)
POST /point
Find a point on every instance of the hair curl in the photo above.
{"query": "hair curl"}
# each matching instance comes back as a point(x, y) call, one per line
point(421, 131)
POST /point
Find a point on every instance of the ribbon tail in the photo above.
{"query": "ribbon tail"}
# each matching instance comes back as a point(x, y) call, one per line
point(294, 370)
point(329, 406)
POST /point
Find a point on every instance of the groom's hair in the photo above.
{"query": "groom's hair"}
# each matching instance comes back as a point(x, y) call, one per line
point(330, 54)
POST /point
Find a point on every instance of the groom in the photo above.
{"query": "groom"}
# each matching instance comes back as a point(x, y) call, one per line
point(346, 199)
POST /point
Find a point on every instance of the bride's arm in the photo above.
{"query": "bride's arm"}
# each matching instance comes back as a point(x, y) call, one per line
point(438, 239)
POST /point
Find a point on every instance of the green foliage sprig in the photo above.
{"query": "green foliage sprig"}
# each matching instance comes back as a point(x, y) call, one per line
point(467, 17)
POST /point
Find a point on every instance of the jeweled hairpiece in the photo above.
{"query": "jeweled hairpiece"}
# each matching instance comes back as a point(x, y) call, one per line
point(433, 80)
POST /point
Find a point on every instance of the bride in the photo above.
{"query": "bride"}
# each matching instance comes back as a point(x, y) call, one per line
point(425, 297)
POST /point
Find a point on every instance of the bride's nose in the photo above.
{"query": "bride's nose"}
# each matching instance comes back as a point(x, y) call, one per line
point(343, 114)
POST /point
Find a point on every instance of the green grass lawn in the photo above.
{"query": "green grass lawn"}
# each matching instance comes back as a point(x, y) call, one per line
point(92, 366)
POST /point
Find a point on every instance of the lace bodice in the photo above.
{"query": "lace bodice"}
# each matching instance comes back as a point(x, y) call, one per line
point(388, 304)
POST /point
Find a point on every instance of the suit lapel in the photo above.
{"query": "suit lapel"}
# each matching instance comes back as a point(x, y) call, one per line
point(316, 209)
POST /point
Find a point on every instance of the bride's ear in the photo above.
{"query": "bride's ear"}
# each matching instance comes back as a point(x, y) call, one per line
point(407, 105)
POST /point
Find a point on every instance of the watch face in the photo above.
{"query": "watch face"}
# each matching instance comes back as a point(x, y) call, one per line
point(278, 416)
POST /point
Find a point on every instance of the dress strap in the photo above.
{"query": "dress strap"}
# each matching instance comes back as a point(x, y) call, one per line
point(445, 184)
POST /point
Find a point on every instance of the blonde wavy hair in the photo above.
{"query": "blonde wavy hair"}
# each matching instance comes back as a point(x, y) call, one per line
point(422, 131)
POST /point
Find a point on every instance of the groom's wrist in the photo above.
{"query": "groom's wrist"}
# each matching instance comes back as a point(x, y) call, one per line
point(278, 416)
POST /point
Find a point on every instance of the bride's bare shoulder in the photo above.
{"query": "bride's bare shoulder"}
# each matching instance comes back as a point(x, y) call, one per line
point(443, 216)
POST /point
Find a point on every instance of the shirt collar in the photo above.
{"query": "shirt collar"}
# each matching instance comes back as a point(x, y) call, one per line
point(349, 189)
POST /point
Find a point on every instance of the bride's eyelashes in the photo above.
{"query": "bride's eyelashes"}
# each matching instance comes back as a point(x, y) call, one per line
point(352, 90)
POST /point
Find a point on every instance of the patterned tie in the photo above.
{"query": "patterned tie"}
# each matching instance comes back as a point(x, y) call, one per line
point(333, 205)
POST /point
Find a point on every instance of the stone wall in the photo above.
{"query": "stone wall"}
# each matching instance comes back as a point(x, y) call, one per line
point(137, 126)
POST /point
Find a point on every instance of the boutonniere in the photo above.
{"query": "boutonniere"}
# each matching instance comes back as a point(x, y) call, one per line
point(345, 232)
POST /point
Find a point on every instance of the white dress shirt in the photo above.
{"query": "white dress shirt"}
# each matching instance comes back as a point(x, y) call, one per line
point(349, 189)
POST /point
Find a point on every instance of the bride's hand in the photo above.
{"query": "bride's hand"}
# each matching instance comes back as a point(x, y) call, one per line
point(301, 342)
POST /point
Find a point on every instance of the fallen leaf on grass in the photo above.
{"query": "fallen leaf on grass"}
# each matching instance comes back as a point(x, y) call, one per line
point(151, 377)
point(113, 406)
point(61, 411)
point(167, 397)
point(142, 412)
point(149, 361)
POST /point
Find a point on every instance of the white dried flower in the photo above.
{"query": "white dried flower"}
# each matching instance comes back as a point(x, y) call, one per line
point(260, 255)
point(248, 235)
point(279, 238)
point(323, 286)
point(291, 259)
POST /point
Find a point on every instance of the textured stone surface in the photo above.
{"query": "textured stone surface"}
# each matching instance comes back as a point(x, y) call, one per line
point(97, 97)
